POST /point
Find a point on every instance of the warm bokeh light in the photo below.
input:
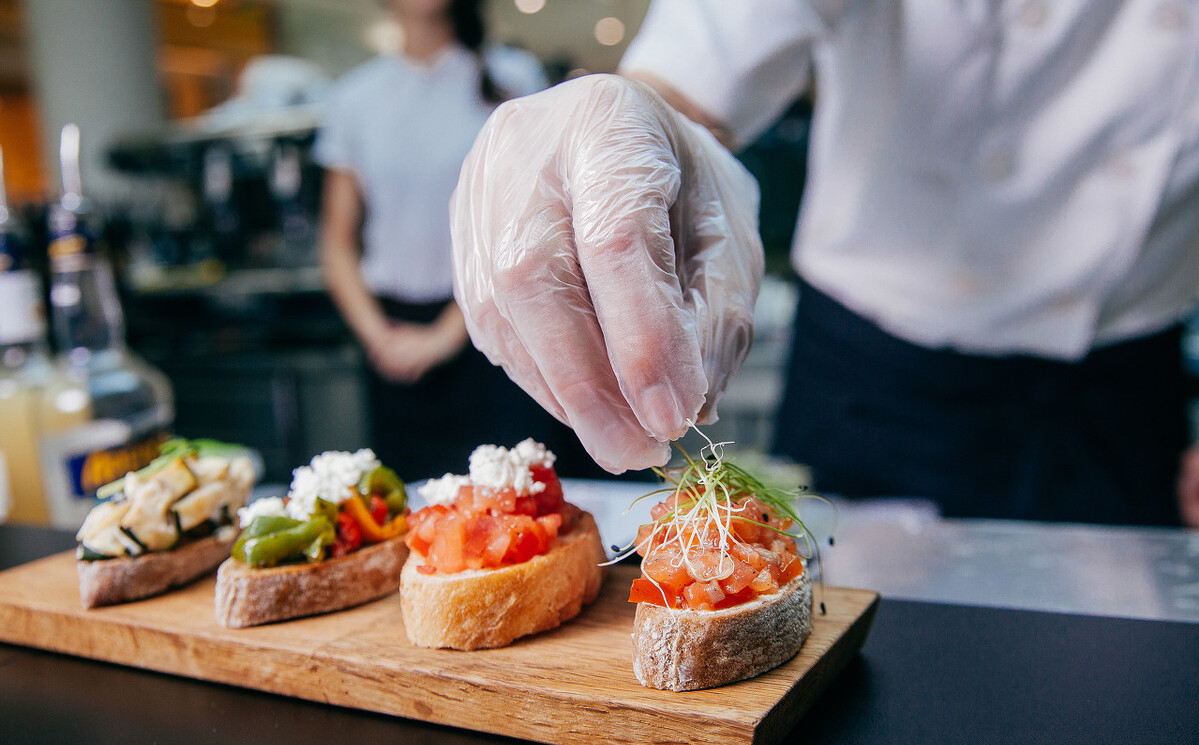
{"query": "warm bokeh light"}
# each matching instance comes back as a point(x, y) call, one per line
point(201, 16)
point(609, 31)
point(529, 6)
point(204, 3)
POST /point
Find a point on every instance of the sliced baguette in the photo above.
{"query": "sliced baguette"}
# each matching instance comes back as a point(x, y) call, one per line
point(250, 597)
point(685, 650)
point(484, 608)
point(126, 578)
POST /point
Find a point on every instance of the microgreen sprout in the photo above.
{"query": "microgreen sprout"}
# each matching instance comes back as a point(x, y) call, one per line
point(702, 500)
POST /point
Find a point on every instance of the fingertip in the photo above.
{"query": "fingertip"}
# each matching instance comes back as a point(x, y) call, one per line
point(665, 411)
point(650, 454)
point(619, 444)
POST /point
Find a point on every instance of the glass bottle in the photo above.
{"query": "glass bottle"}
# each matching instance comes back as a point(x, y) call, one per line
point(24, 370)
point(109, 410)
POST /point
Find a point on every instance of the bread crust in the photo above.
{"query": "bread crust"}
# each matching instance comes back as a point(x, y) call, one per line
point(122, 579)
point(685, 650)
point(251, 597)
point(485, 608)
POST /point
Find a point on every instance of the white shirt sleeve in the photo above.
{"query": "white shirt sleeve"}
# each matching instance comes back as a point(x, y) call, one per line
point(333, 148)
point(741, 61)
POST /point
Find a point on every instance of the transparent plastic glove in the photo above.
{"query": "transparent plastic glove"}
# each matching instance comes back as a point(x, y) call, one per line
point(606, 255)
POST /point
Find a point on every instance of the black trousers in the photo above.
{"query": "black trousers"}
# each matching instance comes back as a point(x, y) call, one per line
point(430, 427)
point(1007, 437)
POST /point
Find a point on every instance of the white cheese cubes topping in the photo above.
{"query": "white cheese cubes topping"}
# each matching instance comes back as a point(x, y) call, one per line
point(443, 490)
point(332, 476)
point(500, 468)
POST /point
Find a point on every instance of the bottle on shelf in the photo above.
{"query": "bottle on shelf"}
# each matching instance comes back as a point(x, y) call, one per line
point(108, 410)
point(25, 370)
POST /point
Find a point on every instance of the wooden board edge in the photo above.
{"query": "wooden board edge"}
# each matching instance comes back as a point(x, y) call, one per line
point(789, 711)
point(199, 657)
point(539, 719)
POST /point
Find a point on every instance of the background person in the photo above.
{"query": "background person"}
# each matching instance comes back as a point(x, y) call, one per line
point(397, 130)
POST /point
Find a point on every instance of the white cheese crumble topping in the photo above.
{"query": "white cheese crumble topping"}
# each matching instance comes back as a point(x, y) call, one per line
point(264, 507)
point(443, 490)
point(499, 468)
point(332, 476)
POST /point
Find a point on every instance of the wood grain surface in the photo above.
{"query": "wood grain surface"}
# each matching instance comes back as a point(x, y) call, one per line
point(574, 684)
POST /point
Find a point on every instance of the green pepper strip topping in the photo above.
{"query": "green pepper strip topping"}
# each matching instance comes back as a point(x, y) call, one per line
point(383, 481)
point(271, 540)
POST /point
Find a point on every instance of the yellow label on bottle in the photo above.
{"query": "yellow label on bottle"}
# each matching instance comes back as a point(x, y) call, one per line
point(68, 245)
point(105, 466)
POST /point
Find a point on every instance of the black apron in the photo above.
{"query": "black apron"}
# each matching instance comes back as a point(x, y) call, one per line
point(430, 427)
point(1094, 441)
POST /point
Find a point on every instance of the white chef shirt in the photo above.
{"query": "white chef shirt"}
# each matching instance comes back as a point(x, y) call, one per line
point(403, 128)
point(995, 177)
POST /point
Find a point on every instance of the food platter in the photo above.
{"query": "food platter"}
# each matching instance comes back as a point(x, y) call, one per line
point(570, 685)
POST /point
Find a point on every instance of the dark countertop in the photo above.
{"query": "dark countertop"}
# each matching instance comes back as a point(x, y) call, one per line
point(929, 673)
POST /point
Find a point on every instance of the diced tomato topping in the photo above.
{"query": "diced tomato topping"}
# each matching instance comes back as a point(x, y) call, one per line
point(764, 583)
point(550, 523)
point(349, 536)
point(378, 509)
point(445, 552)
point(497, 548)
point(422, 527)
point(712, 564)
point(644, 591)
point(742, 575)
point(551, 497)
point(717, 569)
point(479, 536)
point(529, 540)
point(667, 569)
point(643, 543)
point(697, 597)
point(487, 527)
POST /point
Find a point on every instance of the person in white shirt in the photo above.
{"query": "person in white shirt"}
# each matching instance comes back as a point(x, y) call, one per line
point(396, 131)
point(997, 245)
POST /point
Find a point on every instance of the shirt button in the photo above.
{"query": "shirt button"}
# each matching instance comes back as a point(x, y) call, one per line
point(1032, 13)
point(1171, 16)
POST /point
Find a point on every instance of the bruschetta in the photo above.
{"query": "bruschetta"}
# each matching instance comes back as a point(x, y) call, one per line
point(498, 554)
point(164, 526)
point(724, 593)
point(335, 541)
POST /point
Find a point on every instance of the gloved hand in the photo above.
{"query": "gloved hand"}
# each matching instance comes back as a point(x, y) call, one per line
point(606, 254)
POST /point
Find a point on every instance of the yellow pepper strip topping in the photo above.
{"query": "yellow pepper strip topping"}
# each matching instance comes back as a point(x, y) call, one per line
point(373, 532)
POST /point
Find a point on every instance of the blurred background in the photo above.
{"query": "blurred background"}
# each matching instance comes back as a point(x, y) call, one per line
point(197, 119)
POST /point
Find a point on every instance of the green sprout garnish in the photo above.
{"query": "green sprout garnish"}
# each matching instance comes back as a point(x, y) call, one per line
point(709, 493)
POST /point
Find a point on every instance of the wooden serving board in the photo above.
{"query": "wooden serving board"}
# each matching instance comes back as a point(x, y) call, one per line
point(574, 684)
